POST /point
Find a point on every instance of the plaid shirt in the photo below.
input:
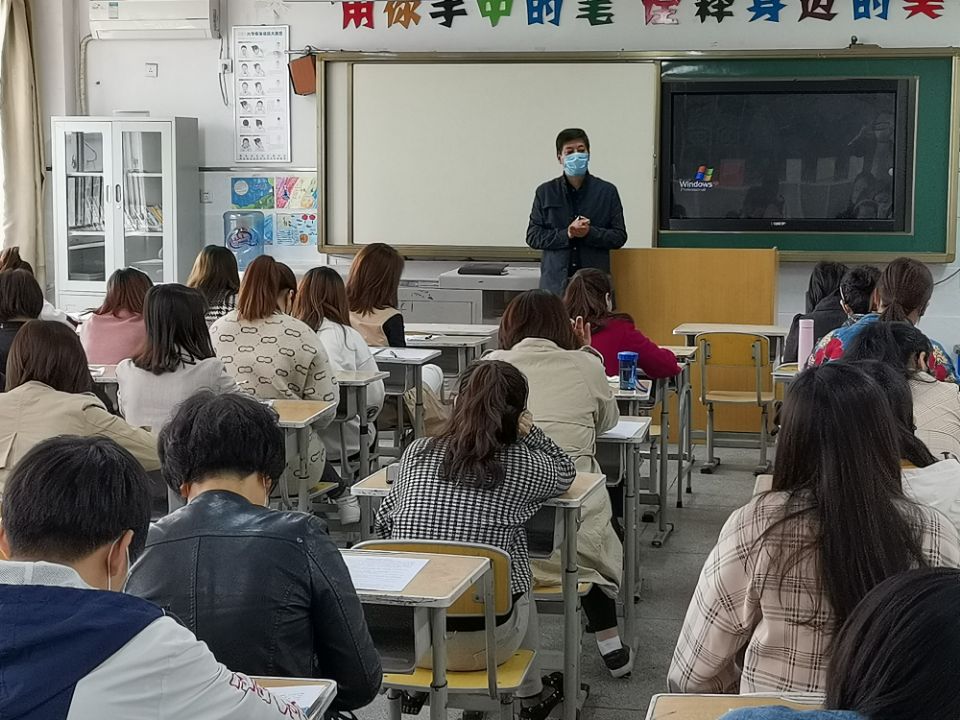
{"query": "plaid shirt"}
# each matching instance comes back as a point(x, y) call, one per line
point(220, 306)
point(743, 631)
point(421, 506)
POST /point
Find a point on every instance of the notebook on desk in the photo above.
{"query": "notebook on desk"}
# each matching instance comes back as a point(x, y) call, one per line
point(483, 268)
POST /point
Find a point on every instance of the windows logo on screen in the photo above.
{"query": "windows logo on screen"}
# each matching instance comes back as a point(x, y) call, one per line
point(702, 180)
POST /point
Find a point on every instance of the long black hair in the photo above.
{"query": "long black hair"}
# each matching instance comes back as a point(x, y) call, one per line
point(898, 655)
point(824, 281)
point(897, 343)
point(176, 329)
point(839, 461)
point(486, 416)
point(895, 386)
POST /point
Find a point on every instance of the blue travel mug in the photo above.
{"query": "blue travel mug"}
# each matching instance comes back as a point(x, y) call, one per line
point(628, 370)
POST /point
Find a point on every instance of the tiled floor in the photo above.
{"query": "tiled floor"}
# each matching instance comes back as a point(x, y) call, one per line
point(669, 577)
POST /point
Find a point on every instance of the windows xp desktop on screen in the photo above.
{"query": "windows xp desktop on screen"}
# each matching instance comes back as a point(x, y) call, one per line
point(802, 155)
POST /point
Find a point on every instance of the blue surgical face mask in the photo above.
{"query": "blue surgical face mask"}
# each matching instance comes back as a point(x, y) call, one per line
point(575, 164)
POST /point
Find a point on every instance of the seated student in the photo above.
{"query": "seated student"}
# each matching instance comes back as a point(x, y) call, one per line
point(272, 355)
point(266, 590)
point(925, 480)
point(322, 304)
point(115, 331)
point(480, 481)
point(821, 304)
point(903, 294)
point(936, 405)
point(75, 512)
point(791, 565)
point(176, 361)
point(858, 292)
point(589, 295)
point(10, 260)
point(216, 276)
point(572, 403)
point(897, 657)
point(49, 393)
point(21, 301)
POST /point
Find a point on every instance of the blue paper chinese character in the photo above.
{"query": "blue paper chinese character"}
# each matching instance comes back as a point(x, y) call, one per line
point(870, 9)
point(539, 11)
point(768, 10)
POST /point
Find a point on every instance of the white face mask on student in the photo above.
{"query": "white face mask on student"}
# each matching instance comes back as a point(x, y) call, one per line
point(126, 571)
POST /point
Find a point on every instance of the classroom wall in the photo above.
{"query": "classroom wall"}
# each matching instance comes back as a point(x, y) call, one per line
point(187, 83)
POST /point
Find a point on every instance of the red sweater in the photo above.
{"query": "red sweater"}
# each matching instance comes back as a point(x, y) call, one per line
point(619, 335)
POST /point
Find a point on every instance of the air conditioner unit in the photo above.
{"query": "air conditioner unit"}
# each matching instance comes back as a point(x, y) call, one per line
point(154, 19)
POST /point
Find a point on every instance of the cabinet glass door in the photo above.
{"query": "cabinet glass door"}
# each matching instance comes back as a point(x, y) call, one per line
point(85, 210)
point(143, 165)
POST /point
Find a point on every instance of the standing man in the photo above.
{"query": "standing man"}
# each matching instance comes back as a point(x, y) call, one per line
point(577, 219)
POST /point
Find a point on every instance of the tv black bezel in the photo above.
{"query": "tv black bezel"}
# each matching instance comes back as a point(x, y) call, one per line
point(902, 222)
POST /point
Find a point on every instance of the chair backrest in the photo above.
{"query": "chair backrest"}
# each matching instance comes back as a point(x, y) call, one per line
point(734, 350)
point(469, 604)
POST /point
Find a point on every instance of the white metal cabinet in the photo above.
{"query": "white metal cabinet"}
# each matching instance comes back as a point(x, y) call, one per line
point(126, 194)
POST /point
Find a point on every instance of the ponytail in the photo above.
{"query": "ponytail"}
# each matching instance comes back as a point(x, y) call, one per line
point(905, 287)
point(486, 416)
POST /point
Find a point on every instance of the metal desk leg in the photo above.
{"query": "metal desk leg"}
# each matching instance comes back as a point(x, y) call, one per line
point(462, 360)
point(631, 542)
point(571, 615)
point(366, 517)
point(364, 432)
point(418, 409)
point(688, 429)
point(303, 488)
point(665, 527)
point(438, 688)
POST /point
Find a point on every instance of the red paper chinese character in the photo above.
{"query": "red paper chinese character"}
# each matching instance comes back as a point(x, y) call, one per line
point(358, 13)
point(661, 12)
point(933, 9)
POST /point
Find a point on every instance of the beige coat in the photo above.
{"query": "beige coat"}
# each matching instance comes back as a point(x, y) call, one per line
point(936, 413)
point(35, 412)
point(571, 401)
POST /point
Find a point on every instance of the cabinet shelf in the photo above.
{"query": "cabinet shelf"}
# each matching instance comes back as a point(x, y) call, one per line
point(138, 173)
point(78, 232)
point(86, 246)
point(143, 233)
point(85, 174)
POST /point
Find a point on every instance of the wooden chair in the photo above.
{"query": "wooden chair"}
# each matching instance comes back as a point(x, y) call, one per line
point(743, 351)
point(489, 690)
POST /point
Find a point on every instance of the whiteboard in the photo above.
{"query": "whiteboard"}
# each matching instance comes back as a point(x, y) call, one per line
point(449, 154)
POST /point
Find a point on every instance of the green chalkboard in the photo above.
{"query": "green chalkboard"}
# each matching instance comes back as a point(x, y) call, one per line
point(931, 228)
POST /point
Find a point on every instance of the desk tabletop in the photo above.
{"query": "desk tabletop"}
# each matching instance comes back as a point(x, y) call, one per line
point(328, 694)
point(440, 584)
point(452, 329)
point(447, 341)
point(787, 371)
point(615, 436)
point(347, 378)
point(104, 374)
point(683, 352)
point(404, 356)
point(712, 707)
point(772, 331)
point(644, 390)
point(583, 486)
point(297, 414)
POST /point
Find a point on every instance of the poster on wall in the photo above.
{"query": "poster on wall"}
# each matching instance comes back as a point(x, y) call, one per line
point(261, 93)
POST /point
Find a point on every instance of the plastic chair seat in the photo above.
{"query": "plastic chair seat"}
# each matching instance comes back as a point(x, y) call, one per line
point(510, 676)
point(738, 397)
point(654, 431)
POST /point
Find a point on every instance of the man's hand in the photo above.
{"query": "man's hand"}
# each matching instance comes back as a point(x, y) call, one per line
point(579, 228)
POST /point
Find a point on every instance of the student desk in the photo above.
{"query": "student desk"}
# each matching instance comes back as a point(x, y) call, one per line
point(296, 417)
point(584, 485)
point(353, 397)
point(774, 332)
point(631, 520)
point(468, 347)
point(107, 377)
point(712, 707)
point(488, 331)
point(686, 357)
point(646, 396)
point(328, 694)
point(786, 373)
point(436, 587)
point(408, 363)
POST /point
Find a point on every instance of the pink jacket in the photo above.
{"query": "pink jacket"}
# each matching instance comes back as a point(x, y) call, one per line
point(620, 334)
point(108, 339)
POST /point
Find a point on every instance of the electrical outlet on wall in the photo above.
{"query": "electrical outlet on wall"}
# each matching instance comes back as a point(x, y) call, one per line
point(225, 65)
point(151, 70)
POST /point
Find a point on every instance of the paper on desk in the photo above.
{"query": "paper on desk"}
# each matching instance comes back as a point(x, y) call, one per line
point(623, 430)
point(97, 370)
point(382, 573)
point(305, 696)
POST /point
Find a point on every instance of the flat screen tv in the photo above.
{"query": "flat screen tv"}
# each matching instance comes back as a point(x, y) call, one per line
point(787, 155)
